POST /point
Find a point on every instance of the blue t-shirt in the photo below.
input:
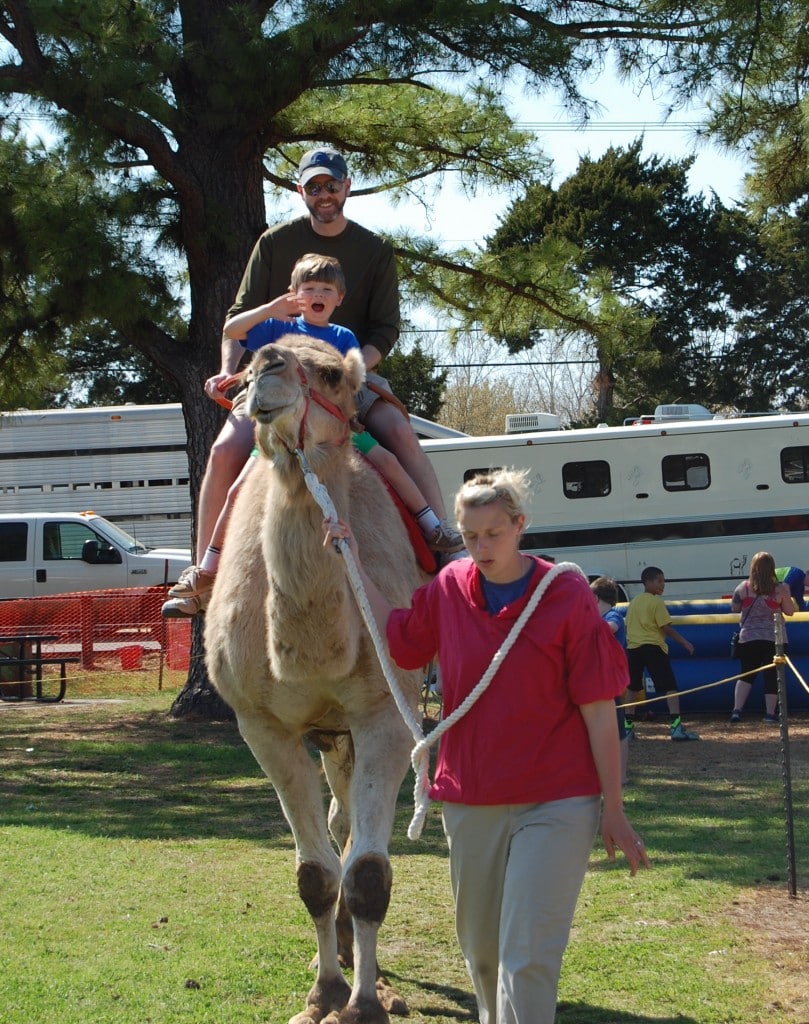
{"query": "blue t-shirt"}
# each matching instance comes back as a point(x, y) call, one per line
point(271, 330)
point(613, 615)
point(793, 577)
point(499, 595)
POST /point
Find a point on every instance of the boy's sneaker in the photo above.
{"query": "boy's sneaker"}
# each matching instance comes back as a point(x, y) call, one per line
point(772, 719)
point(445, 539)
point(735, 715)
point(192, 583)
point(629, 731)
point(186, 607)
point(678, 732)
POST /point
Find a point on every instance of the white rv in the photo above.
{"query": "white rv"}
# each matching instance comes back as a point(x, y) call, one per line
point(697, 497)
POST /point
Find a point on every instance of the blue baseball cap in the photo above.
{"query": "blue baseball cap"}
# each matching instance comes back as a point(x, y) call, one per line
point(321, 161)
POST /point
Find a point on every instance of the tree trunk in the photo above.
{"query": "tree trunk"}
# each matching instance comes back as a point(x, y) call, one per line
point(199, 700)
point(217, 250)
point(604, 387)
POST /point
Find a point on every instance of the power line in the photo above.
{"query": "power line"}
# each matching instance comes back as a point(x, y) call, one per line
point(595, 126)
point(537, 362)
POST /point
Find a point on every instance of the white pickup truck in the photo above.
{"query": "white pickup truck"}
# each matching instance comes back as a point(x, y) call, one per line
point(60, 552)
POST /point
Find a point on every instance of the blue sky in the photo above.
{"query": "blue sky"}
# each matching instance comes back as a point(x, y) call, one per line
point(456, 219)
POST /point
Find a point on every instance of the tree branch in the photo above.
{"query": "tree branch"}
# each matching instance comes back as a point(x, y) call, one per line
point(529, 293)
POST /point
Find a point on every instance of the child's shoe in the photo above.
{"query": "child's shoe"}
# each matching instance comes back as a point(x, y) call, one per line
point(192, 583)
point(772, 719)
point(445, 539)
point(679, 733)
point(186, 607)
point(735, 715)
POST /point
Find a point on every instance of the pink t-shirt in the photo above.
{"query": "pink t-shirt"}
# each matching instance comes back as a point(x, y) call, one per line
point(524, 740)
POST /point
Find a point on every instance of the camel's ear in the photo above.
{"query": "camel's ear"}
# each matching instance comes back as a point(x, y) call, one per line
point(354, 366)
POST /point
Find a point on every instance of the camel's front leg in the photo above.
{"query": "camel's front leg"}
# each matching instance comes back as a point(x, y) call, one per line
point(381, 757)
point(296, 779)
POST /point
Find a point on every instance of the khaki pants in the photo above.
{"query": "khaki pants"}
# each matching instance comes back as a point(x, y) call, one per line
point(516, 873)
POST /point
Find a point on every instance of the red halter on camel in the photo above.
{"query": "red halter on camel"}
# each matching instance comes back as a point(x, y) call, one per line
point(310, 395)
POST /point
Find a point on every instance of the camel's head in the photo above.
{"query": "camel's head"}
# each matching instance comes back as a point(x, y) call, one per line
point(301, 393)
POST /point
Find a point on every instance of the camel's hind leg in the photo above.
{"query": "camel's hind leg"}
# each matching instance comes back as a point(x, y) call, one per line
point(296, 779)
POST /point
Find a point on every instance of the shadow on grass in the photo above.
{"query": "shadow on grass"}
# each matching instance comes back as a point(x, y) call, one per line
point(139, 777)
point(584, 1013)
point(147, 776)
point(464, 1007)
point(109, 772)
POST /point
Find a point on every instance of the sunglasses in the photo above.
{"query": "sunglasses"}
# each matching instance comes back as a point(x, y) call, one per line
point(332, 187)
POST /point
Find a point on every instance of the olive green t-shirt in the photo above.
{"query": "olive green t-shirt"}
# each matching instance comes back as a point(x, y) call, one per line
point(371, 305)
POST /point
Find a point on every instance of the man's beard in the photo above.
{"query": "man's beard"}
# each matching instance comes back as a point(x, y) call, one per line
point(330, 214)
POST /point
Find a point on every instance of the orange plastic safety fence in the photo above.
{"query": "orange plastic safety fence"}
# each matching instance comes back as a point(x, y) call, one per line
point(90, 631)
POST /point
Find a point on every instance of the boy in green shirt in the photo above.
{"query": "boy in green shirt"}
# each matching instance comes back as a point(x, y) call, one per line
point(648, 624)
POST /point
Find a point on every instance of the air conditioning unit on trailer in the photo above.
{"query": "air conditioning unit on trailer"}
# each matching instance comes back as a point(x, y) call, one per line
point(527, 422)
point(682, 412)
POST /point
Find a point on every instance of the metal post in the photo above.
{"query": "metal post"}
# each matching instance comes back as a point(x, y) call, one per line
point(786, 769)
point(164, 628)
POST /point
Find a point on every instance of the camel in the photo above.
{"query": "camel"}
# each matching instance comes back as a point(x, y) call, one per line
point(288, 650)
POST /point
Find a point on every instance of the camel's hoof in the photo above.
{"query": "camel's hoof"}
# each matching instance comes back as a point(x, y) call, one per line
point(390, 999)
point(324, 999)
point(364, 1011)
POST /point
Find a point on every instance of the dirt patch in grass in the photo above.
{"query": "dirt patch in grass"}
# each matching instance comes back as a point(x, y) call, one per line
point(774, 923)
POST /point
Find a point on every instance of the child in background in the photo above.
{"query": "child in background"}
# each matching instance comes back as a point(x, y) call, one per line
point(648, 624)
point(606, 594)
point(316, 289)
point(797, 580)
point(756, 601)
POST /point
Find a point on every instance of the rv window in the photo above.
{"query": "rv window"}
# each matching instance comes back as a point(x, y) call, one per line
point(13, 542)
point(795, 465)
point(686, 472)
point(470, 474)
point(586, 479)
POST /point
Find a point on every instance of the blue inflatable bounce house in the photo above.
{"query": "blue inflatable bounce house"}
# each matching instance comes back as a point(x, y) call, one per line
point(709, 626)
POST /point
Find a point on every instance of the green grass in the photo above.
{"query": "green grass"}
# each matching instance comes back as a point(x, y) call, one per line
point(148, 876)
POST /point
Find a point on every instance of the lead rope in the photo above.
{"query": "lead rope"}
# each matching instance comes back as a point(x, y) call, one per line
point(420, 754)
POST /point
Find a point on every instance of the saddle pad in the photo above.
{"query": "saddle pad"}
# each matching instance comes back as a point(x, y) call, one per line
point(424, 555)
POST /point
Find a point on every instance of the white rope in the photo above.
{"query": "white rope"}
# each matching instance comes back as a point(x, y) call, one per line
point(323, 498)
point(420, 754)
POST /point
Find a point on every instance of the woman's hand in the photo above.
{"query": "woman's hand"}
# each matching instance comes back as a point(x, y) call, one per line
point(616, 831)
point(337, 530)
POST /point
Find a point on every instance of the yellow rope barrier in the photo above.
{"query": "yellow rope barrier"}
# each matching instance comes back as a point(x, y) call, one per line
point(708, 686)
point(798, 676)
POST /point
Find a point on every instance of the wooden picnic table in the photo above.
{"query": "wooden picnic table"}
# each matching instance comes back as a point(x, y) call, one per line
point(29, 660)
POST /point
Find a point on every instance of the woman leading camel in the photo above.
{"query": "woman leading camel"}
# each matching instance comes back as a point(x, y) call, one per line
point(523, 774)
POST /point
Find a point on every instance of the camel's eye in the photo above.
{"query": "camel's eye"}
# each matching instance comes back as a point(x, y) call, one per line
point(330, 377)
